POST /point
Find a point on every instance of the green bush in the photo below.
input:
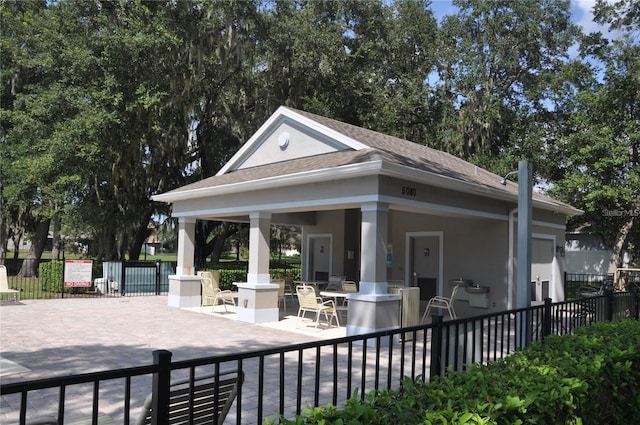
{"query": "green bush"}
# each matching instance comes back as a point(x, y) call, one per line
point(50, 276)
point(229, 276)
point(592, 377)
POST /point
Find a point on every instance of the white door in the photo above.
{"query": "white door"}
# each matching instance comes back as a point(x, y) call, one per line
point(542, 253)
point(425, 255)
point(319, 258)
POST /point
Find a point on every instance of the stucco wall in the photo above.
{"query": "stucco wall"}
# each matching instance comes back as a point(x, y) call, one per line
point(473, 248)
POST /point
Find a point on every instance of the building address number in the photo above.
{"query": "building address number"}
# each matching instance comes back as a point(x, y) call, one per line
point(409, 191)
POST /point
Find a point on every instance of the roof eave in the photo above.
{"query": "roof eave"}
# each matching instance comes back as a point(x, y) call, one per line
point(356, 170)
point(306, 177)
point(445, 182)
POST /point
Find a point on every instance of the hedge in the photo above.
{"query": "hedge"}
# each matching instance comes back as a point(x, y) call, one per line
point(50, 275)
point(229, 276)
point(591, 377)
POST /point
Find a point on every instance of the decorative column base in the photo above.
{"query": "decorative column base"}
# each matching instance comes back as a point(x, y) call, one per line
point(184, 291)
point(257, 302)
point(370, 313)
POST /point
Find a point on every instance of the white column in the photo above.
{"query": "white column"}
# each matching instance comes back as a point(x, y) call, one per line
point(186, 246)
point(258, 298)
point(184, 287)
point(373, 261)
point(372, 309)
point(259, 236)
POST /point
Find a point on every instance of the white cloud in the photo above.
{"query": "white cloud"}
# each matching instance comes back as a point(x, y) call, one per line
point(582, 11)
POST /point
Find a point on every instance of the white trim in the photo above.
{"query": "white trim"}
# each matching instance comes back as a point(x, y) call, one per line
point(547, 224)
point(279, 116)
point(341, 202)
point(446, 182)
point(301, 206)
point(346, 171)
point(306, 177)
point(374, 206)
point(260, 215)
point(409, 256)
point(309, 266)
point(554, 262)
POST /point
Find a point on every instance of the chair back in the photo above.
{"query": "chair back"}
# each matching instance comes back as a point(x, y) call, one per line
point(4, 280)
point(454, 292)
point(307, 297)
point(207, 390)
point(213, 276)
point(349, 286)
point(335, 283)
point(281, 286)
point(207, 287)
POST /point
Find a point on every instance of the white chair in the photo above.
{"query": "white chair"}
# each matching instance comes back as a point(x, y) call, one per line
point(211, 292)
point(335, 283)
point(442, 303)
point(281, 291)
point(4, 285)
point(349, 286)
point(309, 302)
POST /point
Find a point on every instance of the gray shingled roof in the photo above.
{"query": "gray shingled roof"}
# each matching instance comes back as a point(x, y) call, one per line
point(382, 147)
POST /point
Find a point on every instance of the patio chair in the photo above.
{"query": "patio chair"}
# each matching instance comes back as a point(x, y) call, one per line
point(211, 292)
point(310, 302)
point(205, 390)
point(282, 286)
point(394, 285)
point(349, 286)
point(4, 285)
point(335, 283)
point(442, 303)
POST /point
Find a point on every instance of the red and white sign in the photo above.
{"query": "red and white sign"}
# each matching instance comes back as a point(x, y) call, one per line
point(77, 273)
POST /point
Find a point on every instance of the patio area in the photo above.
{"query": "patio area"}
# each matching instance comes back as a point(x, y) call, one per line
point(46, 338)
point(288, 322)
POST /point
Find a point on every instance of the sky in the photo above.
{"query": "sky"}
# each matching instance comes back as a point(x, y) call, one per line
point(581, 11)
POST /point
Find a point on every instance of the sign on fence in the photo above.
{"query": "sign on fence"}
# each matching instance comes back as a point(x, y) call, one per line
point(77, 273)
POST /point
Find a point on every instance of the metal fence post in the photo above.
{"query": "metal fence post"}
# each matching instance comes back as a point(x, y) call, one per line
point(635, 293)
point(158, 268)
point(123, 274)
point(546, 319)
point(64, 263)
point(161, 388)
point(610, 304)
point(436, 347)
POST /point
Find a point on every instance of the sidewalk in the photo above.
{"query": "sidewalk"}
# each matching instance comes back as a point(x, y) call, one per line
point(45, 338)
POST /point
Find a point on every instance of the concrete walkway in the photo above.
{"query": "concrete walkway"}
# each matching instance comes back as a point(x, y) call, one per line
point(45, 338)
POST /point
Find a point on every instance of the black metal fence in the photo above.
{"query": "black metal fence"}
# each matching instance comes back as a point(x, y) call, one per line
point(109, 279)
point(287, 379)
point(574, 281)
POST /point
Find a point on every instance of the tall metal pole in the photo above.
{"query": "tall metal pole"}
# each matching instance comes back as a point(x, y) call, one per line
point(523, 293)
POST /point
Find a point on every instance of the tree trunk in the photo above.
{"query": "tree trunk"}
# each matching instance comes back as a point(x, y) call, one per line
point(55, 249)
point(215, 246)
point(140, 237)
point(616, 253)
point(30, 264)
point(226, 230)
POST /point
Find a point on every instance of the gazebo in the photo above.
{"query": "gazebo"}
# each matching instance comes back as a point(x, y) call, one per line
point(373, 208)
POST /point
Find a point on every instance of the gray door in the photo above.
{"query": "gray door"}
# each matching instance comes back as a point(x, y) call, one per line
point(425, 257)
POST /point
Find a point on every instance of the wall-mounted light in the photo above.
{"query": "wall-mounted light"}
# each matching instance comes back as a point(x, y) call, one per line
point(560, 250)
point(504, 179)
